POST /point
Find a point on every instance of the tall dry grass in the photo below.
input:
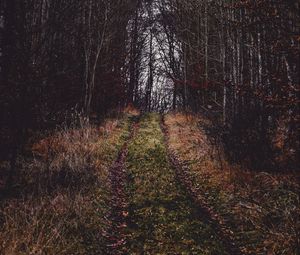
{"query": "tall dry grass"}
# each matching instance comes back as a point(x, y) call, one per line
point(263, 209)
point(62, 202)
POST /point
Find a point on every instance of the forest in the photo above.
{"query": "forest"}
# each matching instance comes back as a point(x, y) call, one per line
point(149, 127)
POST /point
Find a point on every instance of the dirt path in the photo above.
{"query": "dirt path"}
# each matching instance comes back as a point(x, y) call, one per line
point(162, 217)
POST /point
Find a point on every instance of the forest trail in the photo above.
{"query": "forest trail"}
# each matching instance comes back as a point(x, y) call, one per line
point(89, 166)
point(162, 218)
point(143, 184)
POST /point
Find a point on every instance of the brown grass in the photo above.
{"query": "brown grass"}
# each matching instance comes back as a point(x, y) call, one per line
point(130, 109)
point(263, 209)
point(67, 193)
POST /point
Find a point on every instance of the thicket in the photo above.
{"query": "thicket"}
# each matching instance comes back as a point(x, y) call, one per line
point(238, 62)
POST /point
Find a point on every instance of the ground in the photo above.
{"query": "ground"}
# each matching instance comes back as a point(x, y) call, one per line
point(147, 184)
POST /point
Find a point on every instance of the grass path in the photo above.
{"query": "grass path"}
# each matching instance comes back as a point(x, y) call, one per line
point(162, 218)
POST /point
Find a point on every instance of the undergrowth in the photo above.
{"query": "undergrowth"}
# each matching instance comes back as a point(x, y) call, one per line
point(61, 199)
point(262, 209)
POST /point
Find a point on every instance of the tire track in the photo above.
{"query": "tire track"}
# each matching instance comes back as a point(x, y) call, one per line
point(116, 238)
point(182, 173)
point(163, 219)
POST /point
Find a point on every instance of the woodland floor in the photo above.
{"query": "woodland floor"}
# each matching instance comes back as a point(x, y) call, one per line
point(160, 188)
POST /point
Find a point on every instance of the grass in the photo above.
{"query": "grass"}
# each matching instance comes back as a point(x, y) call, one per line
point(262, 209)
point(162, 217)
point(62, 198)
point(62, 195)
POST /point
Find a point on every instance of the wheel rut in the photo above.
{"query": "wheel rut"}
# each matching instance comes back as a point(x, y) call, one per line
point(162, 216)
point(183, 176)
point(118, 178)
